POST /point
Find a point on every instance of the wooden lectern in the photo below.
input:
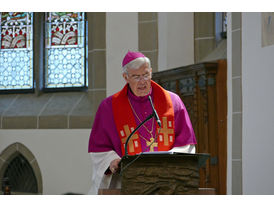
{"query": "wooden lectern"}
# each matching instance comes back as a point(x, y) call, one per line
point(161, 173)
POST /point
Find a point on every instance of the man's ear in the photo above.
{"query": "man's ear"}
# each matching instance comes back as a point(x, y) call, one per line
point(125, 77)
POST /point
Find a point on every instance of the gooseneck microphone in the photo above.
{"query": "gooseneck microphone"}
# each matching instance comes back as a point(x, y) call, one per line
point(155, 113)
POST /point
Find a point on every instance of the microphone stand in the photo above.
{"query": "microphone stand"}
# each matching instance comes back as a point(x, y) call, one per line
point(143, 122)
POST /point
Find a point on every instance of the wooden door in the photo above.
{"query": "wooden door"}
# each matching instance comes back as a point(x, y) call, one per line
point(202, 88)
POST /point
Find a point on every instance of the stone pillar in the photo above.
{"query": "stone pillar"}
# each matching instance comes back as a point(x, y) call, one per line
point(204, 34)
point(148, 36)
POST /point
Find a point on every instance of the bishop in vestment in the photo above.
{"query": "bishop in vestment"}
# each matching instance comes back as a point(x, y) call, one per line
point(119, 114)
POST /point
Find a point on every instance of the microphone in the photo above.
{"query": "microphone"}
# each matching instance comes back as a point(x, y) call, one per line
point(155, 113)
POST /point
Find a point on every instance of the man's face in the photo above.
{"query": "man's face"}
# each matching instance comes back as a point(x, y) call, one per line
point(139, 80)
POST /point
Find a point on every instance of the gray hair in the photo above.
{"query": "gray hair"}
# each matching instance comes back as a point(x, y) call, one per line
point(136, 63)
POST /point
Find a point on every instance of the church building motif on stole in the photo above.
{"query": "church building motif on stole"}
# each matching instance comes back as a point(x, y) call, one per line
point(166, 134)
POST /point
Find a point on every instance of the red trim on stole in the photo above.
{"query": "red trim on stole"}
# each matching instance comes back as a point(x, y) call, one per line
point(125, 121)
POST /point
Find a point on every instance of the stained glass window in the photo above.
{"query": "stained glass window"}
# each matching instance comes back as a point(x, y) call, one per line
point(224, 20)
point(65, 50)
point(16, 54)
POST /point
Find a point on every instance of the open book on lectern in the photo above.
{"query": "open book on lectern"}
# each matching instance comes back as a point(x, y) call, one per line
point(164, 152)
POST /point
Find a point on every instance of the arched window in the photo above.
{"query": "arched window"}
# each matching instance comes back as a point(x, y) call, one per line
point(19, 166)
point(20, 175)
point(16, 51)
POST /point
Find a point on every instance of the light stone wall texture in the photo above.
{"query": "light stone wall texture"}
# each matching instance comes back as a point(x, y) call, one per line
point(257, 105)
point(121, 36)
point(204, 34)
point(175, 39)
point(236, 103)
point(148, 36)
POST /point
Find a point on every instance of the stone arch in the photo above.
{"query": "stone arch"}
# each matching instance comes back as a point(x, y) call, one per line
point(11, 152)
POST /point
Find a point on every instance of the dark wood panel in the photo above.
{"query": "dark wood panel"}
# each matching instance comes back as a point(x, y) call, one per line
point(201, 191)
point(202, 88)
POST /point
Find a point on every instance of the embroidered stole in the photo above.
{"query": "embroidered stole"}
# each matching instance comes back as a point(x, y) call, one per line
point(125, 121)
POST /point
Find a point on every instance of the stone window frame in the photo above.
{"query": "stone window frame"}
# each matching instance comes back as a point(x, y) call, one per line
point(38, 49)
point(10, 153)
point(62, 109)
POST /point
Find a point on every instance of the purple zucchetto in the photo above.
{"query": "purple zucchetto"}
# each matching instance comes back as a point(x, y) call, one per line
point(130, 56)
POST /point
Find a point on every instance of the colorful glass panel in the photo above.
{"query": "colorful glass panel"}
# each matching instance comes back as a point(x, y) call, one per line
point(65, 50)
point(16, 54)
point(224, 19)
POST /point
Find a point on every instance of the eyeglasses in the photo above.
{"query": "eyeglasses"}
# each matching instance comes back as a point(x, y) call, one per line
point(138, 78)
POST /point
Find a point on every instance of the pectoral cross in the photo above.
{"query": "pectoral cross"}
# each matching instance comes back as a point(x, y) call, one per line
point(152, 144)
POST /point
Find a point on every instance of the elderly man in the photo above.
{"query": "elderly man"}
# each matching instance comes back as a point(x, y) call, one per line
point(119, 114)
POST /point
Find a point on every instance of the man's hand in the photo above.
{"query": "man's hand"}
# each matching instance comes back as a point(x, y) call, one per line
point(114, 165)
